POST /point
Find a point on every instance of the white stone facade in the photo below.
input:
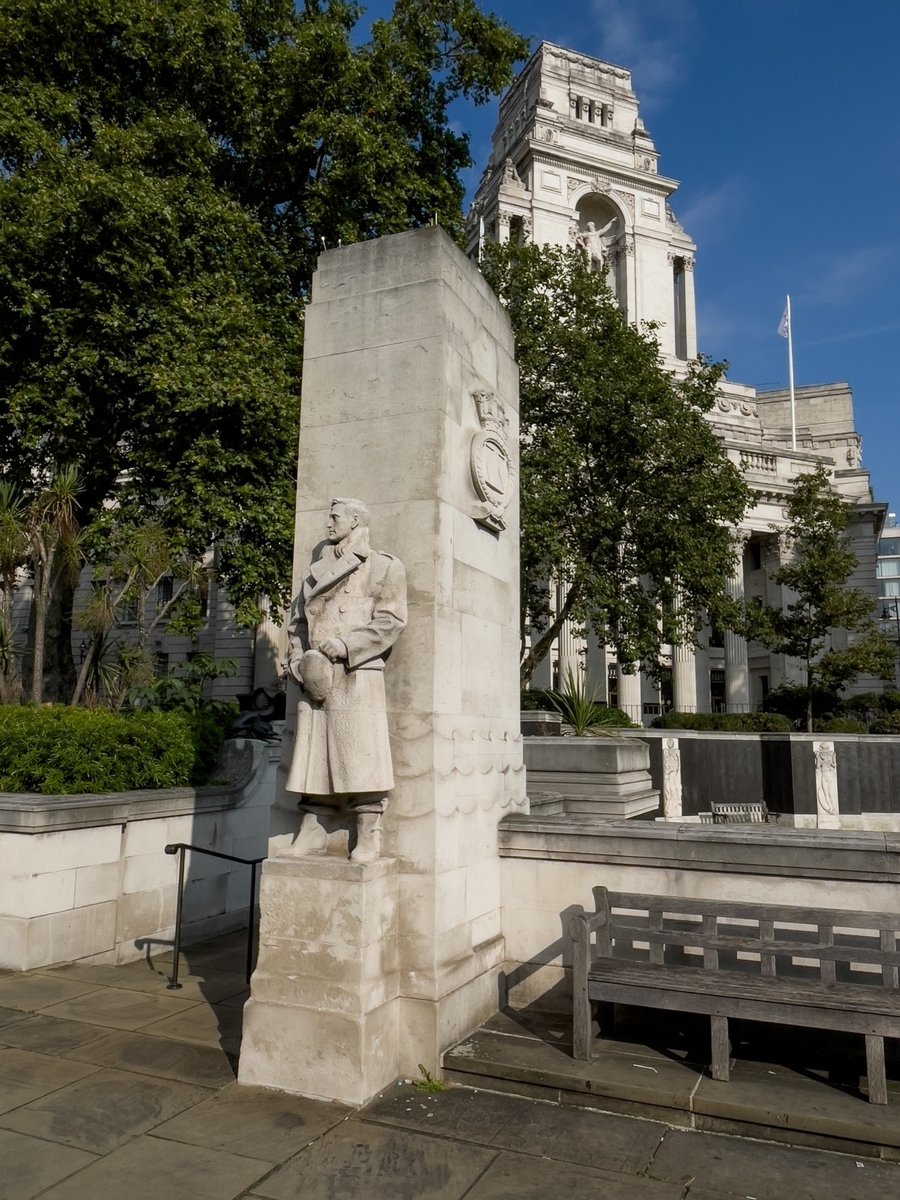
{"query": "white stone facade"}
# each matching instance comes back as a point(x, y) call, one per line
point(573, 164)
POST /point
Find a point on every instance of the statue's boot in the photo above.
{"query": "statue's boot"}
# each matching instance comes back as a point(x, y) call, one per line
point(368, 837)
point(312, 838)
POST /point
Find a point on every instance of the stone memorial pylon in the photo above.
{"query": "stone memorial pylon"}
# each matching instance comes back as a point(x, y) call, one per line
point(367, 969)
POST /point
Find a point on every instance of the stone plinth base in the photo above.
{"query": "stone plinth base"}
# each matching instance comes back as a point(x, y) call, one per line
point(598, 777)
point(323, 1018)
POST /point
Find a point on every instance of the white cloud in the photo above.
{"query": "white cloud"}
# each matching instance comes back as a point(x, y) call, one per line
point(847, 275)
point(651, 38)
point(704, 215)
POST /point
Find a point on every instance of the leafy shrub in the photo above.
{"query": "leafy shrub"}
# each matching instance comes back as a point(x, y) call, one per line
point(534, 699)
point(888, 722)
point(758, 722)
point(62, 751)
point(580, 708)
point(839, 725)
point(791, 703)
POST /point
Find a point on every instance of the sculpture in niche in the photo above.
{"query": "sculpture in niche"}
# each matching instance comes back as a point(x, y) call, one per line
point(827, 809)
point(590, 240)
point(493, 475)
point(348, 614)
point(671, 779)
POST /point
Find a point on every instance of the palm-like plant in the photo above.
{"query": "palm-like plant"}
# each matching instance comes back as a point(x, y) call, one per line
point(54, 550)
point(582, 709)
point(13, 557)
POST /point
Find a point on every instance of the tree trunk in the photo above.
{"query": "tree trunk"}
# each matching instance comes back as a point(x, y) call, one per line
point(39, 604)
point(539, 651)
point(59, 662)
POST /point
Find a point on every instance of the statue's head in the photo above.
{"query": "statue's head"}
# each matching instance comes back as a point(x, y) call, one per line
point(344, 516)
point(590, 226)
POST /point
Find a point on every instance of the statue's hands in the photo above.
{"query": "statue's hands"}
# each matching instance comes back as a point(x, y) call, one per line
point(334, 649)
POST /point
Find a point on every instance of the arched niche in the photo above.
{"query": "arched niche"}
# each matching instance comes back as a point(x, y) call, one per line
point(599, 226)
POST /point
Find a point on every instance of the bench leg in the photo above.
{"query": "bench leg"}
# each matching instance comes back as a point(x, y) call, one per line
point(875, 1069)
point(721, 1049)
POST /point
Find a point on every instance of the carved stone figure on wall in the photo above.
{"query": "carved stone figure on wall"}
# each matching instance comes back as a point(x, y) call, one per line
point(591, 241)
point(672, 796)
point(828, 814)
point(348, 614)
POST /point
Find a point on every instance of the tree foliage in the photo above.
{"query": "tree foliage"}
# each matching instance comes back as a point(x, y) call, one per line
point(169, 170)
point(626, 493)
point(819, 601)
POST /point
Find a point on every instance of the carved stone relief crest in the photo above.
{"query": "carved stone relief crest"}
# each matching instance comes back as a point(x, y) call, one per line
point(493, 474)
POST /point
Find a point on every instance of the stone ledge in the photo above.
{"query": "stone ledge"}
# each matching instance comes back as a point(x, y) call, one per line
point(31, 812)
point(799, 853)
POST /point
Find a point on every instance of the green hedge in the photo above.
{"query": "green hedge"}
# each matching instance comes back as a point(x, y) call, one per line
point(758, 722)
point(63, 751)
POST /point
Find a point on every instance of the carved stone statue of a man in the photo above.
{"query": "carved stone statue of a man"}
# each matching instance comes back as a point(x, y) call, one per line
point(348, 614)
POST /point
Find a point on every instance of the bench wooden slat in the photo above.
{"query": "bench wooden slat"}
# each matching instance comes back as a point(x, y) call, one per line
point(863, 998)
point(737, 1007)
point(839, 918)
point(623, 931)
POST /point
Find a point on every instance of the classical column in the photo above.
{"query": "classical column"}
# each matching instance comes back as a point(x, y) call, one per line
point(684, 678)
point(737, 670)
point(684, 675)
point(630, 694)
point(571, 650)
point(690, 307)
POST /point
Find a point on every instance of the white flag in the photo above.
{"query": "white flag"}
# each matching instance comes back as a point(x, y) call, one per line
point(784, 325)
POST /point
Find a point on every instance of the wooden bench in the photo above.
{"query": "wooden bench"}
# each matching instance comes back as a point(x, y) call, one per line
point(636, 949)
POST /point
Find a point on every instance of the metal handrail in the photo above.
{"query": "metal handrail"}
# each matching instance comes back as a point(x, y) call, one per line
point(179, 849)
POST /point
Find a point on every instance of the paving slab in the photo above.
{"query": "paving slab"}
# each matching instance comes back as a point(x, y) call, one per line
point(512, 1123)
point(254, 1122)
point(208, 986)
point(49, 1035)
point(28, 1166)
point(663, 1082)
point(457, 1113)
point(104, 1110)
point(126, 1051)
point(204, 1025)
point(523, 1177)
point(31, 992)
point(361, 1161)
point(25, 1076)
point(739, 1167)
point(119, 1008)
point(778, 1097)
point(138, 1171)
point(9, 1016)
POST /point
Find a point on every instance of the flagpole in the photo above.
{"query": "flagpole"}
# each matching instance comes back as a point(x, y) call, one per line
point(790, 342)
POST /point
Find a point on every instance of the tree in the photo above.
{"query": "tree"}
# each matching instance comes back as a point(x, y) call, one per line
point(816, 577)
point(169, 170)
point(626, 493)
point(129, 564)
point(54, 553)
point(13, 558)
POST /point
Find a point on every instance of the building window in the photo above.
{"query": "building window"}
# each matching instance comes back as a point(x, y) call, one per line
point(666, 693)
point(517, 231)
point(164, 592)
point(680, 302)
point(887, 566)
point(160, 665)
point(890, 587)
point(129, 610)
point(889, 546)
point(612, 686)
point(717, 691)
point(755, 551)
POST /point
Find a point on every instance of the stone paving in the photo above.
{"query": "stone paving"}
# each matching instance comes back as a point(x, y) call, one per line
point(113, 1088)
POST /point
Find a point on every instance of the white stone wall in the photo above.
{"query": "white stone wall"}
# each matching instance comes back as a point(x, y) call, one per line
point(101, 892)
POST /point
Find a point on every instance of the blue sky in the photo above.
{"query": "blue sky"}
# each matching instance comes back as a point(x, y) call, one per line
point(781, 119)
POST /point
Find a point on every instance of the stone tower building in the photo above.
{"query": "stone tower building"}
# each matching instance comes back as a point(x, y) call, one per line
point(572, 164)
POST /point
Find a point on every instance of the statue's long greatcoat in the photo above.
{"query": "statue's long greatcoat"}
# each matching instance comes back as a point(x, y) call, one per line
point(341, 746)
